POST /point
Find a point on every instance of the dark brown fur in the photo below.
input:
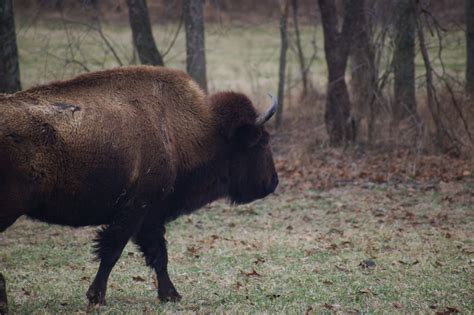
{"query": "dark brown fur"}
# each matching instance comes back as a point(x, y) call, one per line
point(131, 149)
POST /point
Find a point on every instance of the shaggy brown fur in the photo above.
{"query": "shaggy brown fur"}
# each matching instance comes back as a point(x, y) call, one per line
point(130, 148)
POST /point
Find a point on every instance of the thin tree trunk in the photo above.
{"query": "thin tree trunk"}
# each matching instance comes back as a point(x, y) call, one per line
point(142, 33)
point(195, 42)
point(339, 123)
point(364, 72)
point(303, 70)
point(282, 68)
point(430, 87)
point(404, 61)
point(443, 137)
point(470, 46)
point(9, 67)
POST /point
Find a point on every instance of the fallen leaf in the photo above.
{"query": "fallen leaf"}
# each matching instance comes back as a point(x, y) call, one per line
point(439, 264)
point(273, 296)
point(330, 306)
point(448, 310)
point(396, 305)
point(138, 279)
point(309, 252)
point(193, 250)
point(342, 268)
point(259, 260)
point(253, 273)
point(412, 263)
point(365, 291)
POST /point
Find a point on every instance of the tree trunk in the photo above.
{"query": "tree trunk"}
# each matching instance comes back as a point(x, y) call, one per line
point(282, 67)
point(142, 35)
point(303, 70)
point(9, 68)
point(195, 44)
point(364, 72)
point(404, 60)
point(430, 92)
point(470, 46)
point(339, 123)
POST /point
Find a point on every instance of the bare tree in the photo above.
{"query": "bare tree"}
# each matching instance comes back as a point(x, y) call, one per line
point(195, 45)
point(404, 60)
point(339, 123)
point(470, 46)
point(283, 49)
point(142, 34)
point(299, 48)
point(9, 68)
point(364, 71)
point(430, 89)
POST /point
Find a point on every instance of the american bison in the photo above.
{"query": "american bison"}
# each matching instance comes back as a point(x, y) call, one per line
point(130, 149)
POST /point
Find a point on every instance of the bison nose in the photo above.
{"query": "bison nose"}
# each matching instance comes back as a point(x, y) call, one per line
point(274, 182)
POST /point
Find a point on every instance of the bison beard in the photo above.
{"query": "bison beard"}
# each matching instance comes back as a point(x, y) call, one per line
point(129, 149)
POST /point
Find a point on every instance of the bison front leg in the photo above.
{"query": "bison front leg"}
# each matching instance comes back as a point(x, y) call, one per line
point(152, 242)
point(111, 241)
point(3, 296)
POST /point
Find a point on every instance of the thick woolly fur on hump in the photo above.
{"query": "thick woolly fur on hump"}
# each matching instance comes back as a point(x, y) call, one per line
point(161, 102)
point(234, 110)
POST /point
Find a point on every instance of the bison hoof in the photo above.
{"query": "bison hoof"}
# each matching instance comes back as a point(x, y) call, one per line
point(169, 296)
point(95, 298)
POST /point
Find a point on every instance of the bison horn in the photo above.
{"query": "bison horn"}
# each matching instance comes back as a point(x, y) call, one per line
point(265, 116)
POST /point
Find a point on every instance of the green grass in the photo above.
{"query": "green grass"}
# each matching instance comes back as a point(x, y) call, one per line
point(305, 250)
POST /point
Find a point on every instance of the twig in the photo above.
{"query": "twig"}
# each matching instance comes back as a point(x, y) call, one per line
point(175, 36)
point(104, 38)
point(431, 92)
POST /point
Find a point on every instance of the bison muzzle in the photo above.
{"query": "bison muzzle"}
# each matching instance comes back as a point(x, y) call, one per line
point(129, 149)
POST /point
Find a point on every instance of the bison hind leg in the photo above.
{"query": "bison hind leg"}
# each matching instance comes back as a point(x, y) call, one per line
point(109, 246)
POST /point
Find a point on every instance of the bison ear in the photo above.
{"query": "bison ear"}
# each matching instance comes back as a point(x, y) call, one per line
point(247, 136)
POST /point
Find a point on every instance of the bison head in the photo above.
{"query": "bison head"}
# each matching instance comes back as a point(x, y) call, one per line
point(252, 173)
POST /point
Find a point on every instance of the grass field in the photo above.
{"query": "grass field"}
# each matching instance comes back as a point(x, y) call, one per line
point(290, 253)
